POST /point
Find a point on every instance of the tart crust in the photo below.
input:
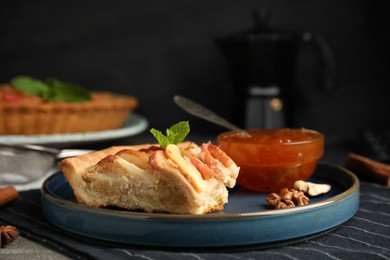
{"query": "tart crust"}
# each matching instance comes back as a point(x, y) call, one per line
point(32, 115)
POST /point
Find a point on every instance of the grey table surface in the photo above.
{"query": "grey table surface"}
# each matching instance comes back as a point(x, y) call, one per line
point(23, 248)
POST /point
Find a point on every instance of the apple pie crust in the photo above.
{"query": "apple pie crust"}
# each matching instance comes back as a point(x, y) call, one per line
point(183, 179)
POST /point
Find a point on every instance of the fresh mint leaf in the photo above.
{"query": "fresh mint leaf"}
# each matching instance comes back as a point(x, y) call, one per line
point(175, 134)
point(65, 91)
point(171, 136)
point(178, 132)
point(52, 89)
point(161, 138)
point(30, 86)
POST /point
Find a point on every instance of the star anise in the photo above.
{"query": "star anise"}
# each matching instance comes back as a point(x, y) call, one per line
point(8, 234)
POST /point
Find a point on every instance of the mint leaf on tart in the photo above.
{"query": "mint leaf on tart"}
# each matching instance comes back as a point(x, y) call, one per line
point(51, 90)
point(30, 86)
point(66, 91)
point(174, 135)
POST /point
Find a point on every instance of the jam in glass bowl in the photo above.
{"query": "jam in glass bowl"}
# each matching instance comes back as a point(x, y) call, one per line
point(272, 159)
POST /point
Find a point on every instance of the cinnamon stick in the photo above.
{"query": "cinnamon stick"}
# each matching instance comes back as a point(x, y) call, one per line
point(7, 194)
point(369, 169)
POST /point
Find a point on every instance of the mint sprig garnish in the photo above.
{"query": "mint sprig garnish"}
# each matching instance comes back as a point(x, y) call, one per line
point(66, 91)
point(51, 90)
point(174, 135)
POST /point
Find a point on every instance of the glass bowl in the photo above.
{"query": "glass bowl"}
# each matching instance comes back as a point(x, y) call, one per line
point(272, 159)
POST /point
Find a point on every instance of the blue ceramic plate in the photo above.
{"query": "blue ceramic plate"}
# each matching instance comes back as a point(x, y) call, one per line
point(246, 220)
point(134, 124)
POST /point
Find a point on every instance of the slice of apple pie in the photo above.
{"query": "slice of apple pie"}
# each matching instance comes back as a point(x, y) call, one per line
point(183, 178)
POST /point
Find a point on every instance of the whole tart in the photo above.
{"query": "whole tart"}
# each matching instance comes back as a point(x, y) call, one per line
point(23, 114)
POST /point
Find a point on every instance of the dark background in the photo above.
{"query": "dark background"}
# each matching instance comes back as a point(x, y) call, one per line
point(156, 49)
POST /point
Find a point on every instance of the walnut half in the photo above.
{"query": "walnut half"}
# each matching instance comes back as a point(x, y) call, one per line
point(287, 198)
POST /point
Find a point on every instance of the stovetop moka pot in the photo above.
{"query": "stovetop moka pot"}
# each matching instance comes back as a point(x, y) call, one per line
point(262, 63)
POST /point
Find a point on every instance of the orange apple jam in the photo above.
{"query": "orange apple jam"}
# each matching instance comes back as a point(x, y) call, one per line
point(273, 159)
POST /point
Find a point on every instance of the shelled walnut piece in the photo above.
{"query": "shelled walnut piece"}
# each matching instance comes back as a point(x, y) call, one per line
point(287, 198)
point(8, 234)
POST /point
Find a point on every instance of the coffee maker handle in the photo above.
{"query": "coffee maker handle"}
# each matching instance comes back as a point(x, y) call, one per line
point(327, 59)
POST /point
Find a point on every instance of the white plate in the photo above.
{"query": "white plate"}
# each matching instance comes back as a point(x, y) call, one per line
point(135, 124)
